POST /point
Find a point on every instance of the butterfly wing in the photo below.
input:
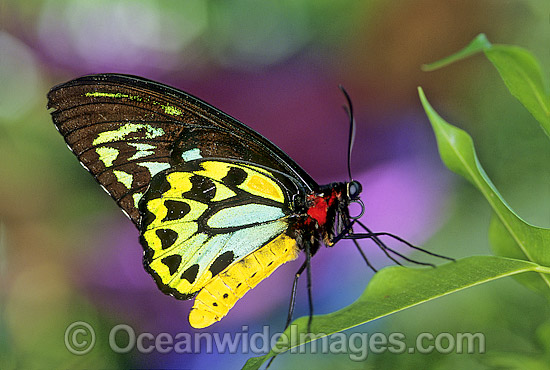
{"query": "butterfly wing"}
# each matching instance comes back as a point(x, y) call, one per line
point(201, 217)
point(216, 227)
point(211, 197)
point(126, 129)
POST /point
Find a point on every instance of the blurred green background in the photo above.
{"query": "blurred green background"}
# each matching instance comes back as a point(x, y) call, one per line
point(68, 254)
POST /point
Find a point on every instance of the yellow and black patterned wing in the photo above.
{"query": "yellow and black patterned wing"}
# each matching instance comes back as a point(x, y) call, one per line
point(216, 227)
point(125, 129)
point(211, 197)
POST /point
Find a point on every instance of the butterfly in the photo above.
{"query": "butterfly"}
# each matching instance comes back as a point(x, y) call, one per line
point(218, 206)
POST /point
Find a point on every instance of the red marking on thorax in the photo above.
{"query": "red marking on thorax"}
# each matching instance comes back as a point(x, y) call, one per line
point(318, 211)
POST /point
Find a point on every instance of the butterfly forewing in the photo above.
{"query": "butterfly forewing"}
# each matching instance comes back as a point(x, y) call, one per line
point(126, 129)
point(123, 136)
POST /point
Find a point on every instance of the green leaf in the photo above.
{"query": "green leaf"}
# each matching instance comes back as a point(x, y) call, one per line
point(513, 361)
point(504, 245)
point(522, 75)
point(519, 70)
point(396, 288)
point(457, 152)
point(478, 44)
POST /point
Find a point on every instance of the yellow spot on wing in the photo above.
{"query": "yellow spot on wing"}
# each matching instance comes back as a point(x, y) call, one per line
point(264, 187)
point(168, 109)
point(217, 297)
point(179, 183)
point(222, 192)
point(99, 94)
point(257, 182)
point(137, 197)
point(142, 150)
point(107, 155)
point(125, 178)
point(157, 207)
point(123, 131)
point(171, 110)
point(118, 95)
point(213, 170)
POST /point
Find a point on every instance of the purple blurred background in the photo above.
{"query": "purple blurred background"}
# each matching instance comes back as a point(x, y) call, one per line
point(68, 254)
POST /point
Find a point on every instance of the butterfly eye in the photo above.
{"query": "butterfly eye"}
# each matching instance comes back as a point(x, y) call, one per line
point(354, 189)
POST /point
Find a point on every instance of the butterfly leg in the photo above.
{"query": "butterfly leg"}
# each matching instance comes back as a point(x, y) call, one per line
point(293, 294)
point(305, 265)
point(413, 246)
point(363, 255)
point(310, 299)
point(375, 238)
point(348, 230)
point(292, 302)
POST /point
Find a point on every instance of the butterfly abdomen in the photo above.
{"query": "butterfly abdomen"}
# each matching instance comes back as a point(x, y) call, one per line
point(225, 289)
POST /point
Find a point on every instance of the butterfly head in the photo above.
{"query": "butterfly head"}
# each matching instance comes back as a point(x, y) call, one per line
point(354, 189)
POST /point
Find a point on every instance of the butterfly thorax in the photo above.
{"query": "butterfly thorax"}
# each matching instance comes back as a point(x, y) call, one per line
point(324, 214)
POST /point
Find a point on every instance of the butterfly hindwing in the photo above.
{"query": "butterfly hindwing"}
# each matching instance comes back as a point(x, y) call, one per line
point(202, 217)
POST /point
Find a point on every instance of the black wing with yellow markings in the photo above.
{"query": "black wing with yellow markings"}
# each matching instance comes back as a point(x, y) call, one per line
point(213, 199)
point(126, 129)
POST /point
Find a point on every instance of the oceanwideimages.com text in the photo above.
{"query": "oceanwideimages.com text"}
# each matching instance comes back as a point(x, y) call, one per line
point(80, 339)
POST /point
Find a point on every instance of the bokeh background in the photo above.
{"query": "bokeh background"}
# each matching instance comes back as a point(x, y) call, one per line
point(68, 254)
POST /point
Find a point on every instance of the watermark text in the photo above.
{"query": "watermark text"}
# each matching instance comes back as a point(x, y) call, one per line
point(80, 338)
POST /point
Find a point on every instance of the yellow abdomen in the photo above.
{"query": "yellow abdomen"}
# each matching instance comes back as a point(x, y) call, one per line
point(217, 297)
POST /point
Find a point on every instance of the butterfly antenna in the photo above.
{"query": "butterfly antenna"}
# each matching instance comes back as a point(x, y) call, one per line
point(351, 139)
